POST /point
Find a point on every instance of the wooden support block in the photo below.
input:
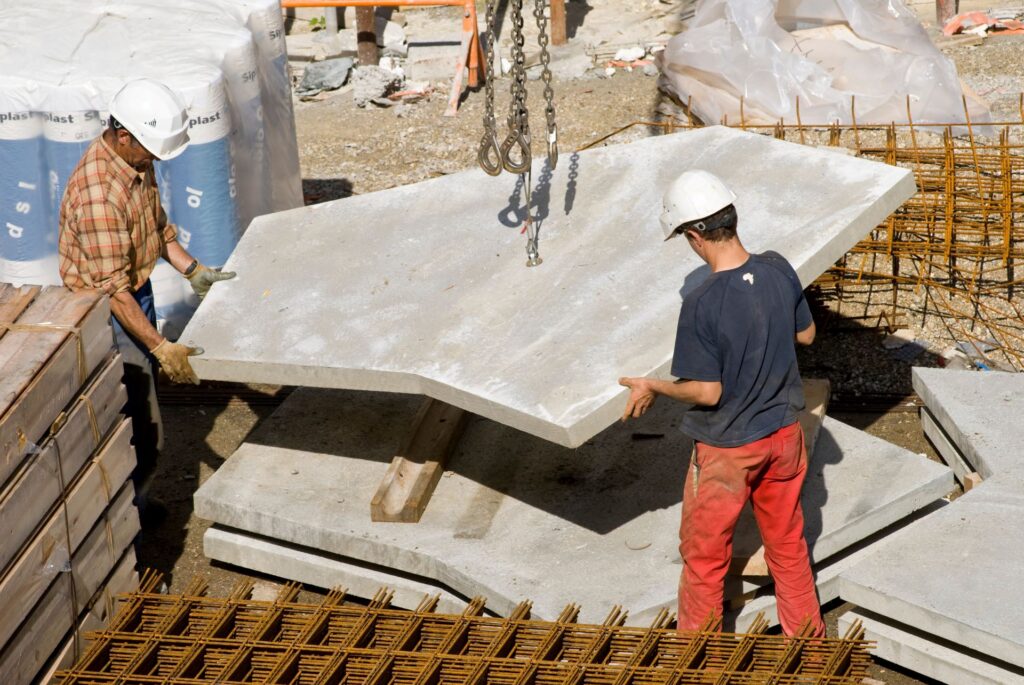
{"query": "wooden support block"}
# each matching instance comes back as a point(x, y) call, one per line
point(33, 491)
point(413, 474)
point(971, 481)
point(558, 29)
point(41, 371)
point(816, 395)
point(50, 551)
point(51, 619)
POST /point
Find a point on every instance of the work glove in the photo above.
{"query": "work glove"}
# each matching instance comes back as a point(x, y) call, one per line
point(173, 358)
point(203, 277)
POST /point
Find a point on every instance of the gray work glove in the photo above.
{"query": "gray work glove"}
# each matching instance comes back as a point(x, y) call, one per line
point(173, 358)
point(203, 277)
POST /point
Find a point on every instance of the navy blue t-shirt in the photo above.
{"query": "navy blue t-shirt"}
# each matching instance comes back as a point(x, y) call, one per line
point(738, 328)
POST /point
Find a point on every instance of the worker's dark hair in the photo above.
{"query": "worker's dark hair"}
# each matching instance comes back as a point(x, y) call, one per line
point(715, 228)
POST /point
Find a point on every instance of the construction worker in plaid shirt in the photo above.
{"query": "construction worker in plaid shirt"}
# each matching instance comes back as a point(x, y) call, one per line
point(112, 231)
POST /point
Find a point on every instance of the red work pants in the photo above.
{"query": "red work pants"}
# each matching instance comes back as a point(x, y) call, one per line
point(769, 472)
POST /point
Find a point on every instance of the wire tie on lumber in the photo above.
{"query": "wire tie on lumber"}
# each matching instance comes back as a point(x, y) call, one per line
point(52, 328)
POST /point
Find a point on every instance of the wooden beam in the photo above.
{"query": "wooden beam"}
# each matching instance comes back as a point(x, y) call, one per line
point(30, 495)
point(95, 592)
point(41, 371)
point(413, 474)
point(816, 395)
point(558, 30)
point(48, 553)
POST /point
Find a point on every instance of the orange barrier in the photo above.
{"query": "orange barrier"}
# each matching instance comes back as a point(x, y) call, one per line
point(471, 54)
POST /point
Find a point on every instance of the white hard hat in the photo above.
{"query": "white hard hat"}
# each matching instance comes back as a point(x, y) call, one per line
point(154, 114)
point(696, 194)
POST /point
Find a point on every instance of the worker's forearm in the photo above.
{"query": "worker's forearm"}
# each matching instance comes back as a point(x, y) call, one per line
point(692, 392)
point(177, 256)
point(128, 313)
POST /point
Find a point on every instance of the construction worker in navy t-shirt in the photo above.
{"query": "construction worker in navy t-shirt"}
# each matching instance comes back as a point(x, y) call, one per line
point(735, 359)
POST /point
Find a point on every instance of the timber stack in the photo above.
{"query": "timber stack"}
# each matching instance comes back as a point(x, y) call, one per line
point(67, 512)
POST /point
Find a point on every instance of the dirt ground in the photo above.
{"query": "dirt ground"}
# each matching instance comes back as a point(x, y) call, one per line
point(346, 150)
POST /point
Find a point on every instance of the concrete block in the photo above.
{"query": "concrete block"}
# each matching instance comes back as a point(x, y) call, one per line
point(516, 517)
point(424, 288)
point(919, 652)
point(980, 412)
point(311, 568)
point(955, 573)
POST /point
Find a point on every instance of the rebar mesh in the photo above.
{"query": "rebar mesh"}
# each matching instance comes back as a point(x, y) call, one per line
point(192, 639)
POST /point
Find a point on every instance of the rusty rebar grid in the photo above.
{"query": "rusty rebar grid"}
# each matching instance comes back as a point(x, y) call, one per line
point(193, 639)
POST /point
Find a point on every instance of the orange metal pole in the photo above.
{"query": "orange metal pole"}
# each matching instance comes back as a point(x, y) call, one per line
point(558, 31)
point(371, 3)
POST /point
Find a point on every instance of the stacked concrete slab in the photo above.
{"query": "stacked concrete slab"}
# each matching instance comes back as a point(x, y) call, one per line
point(67, 516)
point(423, 288)
point(517, 517)
point(941, 596)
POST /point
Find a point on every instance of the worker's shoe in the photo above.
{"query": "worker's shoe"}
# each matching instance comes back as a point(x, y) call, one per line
point(202, 277)
point(173, 358)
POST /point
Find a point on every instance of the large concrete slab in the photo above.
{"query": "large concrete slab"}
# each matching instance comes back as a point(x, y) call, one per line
point(921, 653)
point(980, 412)
point(423, 288)
point(517, 517)
point(956, 573)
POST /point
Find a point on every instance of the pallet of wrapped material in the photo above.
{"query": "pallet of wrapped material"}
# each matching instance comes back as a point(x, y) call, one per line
point(63, 605)
point(50, 551)
point(30, 495)
point(47, 352)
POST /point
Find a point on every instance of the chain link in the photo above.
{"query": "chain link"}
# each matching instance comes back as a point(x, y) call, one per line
point(518, 114)
point(549, 92)
point(489, 155)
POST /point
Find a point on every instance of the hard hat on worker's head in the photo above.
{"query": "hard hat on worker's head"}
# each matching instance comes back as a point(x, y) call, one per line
point(154, 114)
point(695, 195)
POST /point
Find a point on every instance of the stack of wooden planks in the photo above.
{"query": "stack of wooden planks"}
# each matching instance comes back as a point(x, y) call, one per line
point(67, 512)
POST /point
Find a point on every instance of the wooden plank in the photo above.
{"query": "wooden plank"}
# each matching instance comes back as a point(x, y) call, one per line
point(51, 619)
point(559, 35)
point(103, 607)
point(14, 301)
point(53, 379)
point(413, 474)
point(51, 549)
point(34, 490)
point(816, 395)
point(971, 481)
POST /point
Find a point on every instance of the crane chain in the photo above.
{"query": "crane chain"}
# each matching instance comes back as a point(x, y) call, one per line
point(489, 155)
point(518, 114)
point(549, 92)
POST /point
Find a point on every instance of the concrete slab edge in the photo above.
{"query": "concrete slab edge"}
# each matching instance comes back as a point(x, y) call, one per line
point(949, 452)
point(908, 648)
point(940, 625)
point(948, 425)
point(309, 567)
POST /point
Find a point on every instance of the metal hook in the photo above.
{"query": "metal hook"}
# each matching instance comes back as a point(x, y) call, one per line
point(516, 139)
point(489, 156)
point(553, 147)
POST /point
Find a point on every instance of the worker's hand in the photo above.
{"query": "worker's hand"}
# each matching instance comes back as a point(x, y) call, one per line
point(203, 277)
point(173, 359)
point(641, 397)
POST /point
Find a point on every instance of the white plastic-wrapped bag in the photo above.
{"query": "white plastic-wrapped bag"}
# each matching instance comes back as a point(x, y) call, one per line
point(830, 54)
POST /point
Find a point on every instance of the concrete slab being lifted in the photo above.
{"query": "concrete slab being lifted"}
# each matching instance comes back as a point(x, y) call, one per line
point(516, 517)
point(423, 288)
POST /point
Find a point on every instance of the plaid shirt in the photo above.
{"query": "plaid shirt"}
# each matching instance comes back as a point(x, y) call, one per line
point(112, 226)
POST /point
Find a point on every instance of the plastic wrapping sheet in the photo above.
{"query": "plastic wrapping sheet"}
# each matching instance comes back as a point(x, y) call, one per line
point(829, 54)
point(64, 61)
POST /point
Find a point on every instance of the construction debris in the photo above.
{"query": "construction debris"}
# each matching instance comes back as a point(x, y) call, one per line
point(191, 639)
point(374, 84)
point(67, 512)
point(330, 74)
